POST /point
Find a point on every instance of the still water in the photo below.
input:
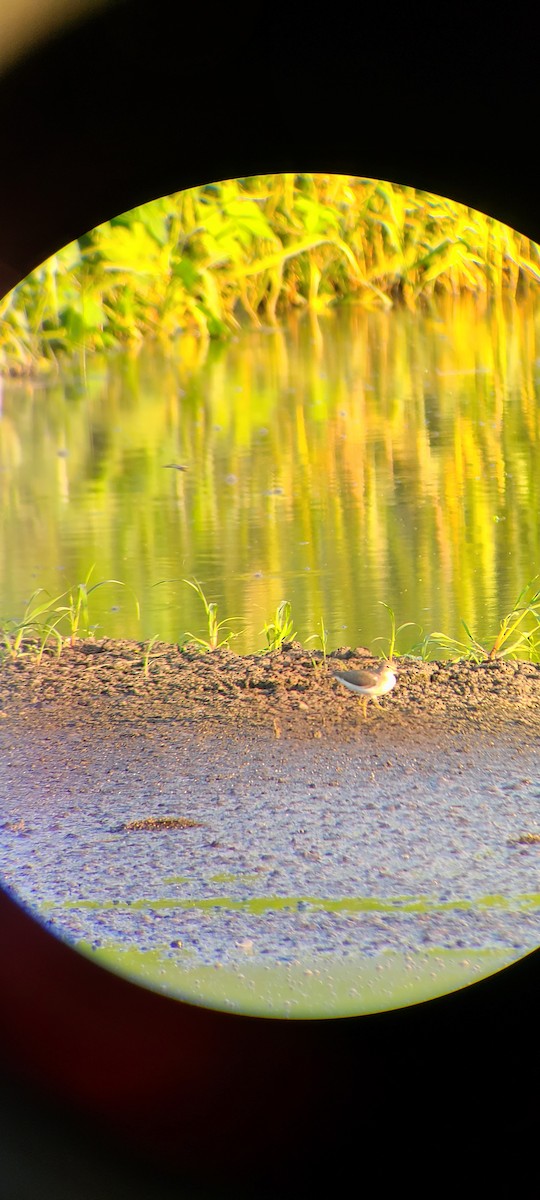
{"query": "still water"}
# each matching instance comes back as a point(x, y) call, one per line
point(338, 462)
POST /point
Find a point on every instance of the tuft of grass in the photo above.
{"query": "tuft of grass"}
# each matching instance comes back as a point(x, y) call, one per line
point(281, 629)
point(21, 636)
point(40, 623)
point(146, 655)
point(518, 635)
point(75, 613)
point(323, 638)
point(422, 650)
point(212, 642)
point(394, 633)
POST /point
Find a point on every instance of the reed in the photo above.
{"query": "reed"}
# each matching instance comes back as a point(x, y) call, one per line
point(206, 259)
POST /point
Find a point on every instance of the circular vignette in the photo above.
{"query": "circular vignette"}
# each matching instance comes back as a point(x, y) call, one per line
point(136, 102)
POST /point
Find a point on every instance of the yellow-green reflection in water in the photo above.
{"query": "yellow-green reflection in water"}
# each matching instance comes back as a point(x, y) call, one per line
point(336, 462)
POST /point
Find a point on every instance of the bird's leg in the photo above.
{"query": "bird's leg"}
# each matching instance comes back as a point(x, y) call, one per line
point(364, 702)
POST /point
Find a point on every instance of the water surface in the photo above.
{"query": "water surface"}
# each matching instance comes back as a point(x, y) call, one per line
point(337, 462)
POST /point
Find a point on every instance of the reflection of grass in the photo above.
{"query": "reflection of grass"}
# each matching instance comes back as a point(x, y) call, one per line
point(458, 553)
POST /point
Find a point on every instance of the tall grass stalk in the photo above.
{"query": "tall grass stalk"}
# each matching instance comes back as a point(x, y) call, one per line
point(146, 656)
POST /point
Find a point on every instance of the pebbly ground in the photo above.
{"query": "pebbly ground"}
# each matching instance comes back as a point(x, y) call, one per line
point(237, 813)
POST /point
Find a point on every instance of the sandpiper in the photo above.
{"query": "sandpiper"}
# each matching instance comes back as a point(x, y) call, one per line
point(369, 684)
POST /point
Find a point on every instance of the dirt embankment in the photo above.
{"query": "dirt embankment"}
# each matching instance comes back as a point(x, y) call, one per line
point(288, 693)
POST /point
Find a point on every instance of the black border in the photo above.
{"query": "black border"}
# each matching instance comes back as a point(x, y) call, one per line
point(140, 100)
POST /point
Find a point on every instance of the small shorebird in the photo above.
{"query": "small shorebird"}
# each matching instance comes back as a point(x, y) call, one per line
point(369, 683)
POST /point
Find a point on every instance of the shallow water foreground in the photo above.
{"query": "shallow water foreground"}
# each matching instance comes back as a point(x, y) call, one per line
point(327, 869)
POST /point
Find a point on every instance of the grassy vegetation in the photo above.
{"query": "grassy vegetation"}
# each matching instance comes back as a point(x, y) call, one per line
point(281, 628)
point(394, 633)
point(322, 637)
point(518, 635)
point(206, 259)
point(31, 631)
point(50, 625)
point(213, 641)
